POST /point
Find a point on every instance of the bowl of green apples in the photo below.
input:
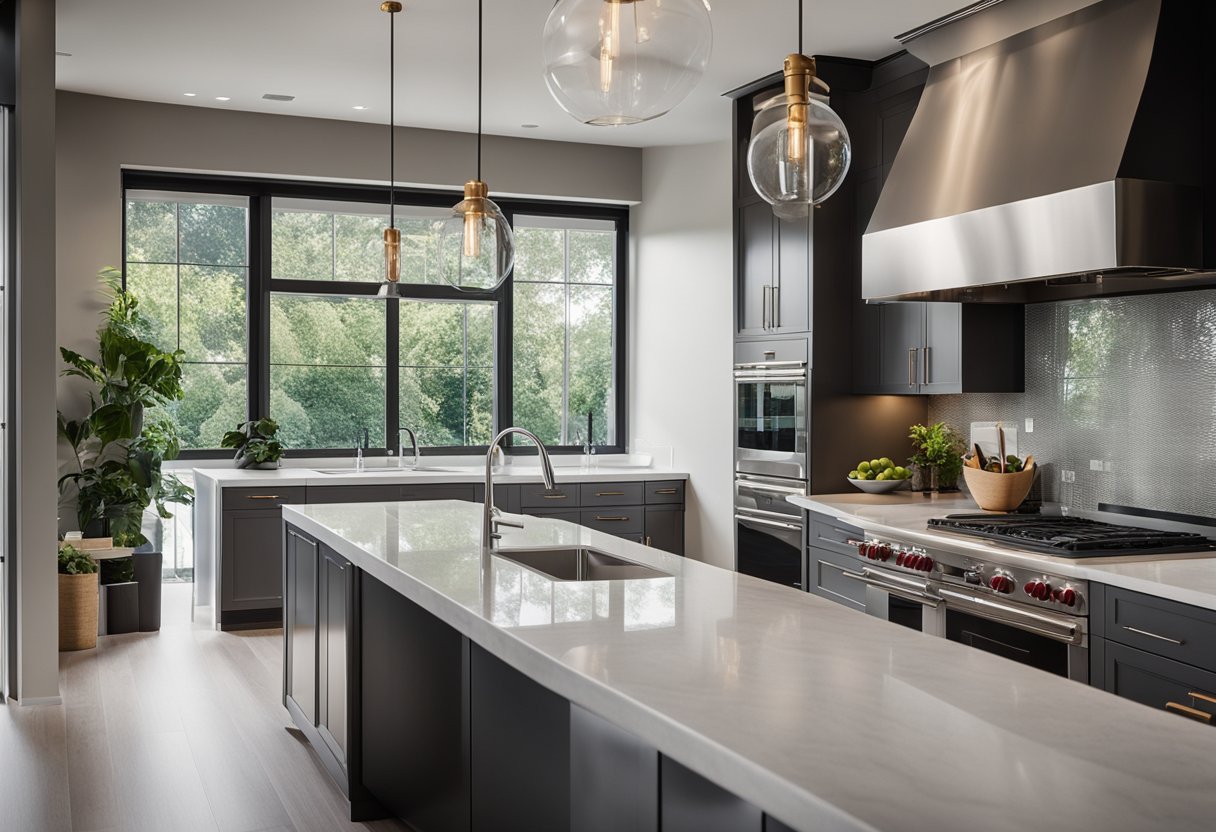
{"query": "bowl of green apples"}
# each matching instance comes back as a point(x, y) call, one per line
point(879, 476)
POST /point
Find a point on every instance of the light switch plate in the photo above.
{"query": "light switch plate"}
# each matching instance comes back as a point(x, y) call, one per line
point(1029, 425)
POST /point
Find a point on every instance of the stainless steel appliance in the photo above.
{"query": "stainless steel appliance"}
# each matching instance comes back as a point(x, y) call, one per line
point(1032, 617)
point(770, 465)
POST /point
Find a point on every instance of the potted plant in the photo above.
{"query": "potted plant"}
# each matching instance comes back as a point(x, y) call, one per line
point(77, 599)
point(255, 443)
point(937, 457)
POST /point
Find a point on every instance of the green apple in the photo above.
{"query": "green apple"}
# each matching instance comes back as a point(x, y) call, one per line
point(854, 475)
point(885, 463)
point(863, 467)
point(882, 476)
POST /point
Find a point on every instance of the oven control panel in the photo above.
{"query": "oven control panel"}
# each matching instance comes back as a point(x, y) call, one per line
point(893, 554)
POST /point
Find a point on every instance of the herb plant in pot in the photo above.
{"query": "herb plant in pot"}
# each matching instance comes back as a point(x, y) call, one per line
point(77, 599)
point(255, 444)
point(118, 451)
point(937, 457)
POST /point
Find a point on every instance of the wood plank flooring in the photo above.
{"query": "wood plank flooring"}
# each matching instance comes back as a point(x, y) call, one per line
point(177, 730)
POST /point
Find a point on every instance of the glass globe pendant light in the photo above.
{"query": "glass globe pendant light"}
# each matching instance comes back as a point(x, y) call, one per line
point(614, 62)
point(390, 287)
point(476, 244)
point(800, 150)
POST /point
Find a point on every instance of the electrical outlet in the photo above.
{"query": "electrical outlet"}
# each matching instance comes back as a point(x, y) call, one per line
point(1029, 425)
point(1095, 465)
point(1068, 476)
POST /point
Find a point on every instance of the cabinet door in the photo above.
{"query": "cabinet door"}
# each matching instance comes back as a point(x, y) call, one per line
point(614, 777)
point(251, 560)
point(690, 803)
point(333, 656)
point(941, 368)
point(300, 624)
point(791, 302)
point(902, 334)
point(665, 528)
point(867, 317)
point(438, 491)
point(756, 268)
point(1160, 683)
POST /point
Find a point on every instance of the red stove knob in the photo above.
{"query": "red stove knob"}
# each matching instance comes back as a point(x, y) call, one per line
point(926, 564)
point(1068, 597)
point(1038, 589)
point(886, 553)
point(862, 548)
point(913, 561)
point(902, 558)
point(872, 551)
point(1002, 584)
point(1029, 588)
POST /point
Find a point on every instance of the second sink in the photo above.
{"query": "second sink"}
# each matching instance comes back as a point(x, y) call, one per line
point(580, 564)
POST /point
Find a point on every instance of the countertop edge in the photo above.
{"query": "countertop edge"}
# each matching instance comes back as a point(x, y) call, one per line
point(1084, 571)
point(230, 478)
point(730, 770)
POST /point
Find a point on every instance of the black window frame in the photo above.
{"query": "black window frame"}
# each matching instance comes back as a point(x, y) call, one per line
point(262, 191)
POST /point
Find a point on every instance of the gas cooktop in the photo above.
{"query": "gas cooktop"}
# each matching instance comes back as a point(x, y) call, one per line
point(1071, 537)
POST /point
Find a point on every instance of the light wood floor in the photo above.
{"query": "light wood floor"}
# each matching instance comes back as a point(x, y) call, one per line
point(177, 730)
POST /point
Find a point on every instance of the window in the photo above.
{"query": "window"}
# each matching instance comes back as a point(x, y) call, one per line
point(268, 288)
point(564, 365)
point(187, 262)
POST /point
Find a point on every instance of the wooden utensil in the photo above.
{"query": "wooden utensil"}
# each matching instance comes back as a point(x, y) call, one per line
point(1000, 440)
point(980, 458)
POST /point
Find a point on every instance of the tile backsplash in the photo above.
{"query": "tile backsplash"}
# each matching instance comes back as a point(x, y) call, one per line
point(1122, 394)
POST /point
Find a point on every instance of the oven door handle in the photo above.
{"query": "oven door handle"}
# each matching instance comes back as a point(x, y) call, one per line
point(774, 376)
point(897, 586)
point(752, 485)
point(792, 527)
point(1049, 626)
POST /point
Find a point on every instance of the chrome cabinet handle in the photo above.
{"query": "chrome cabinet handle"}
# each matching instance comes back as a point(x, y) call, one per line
point(776, 307)
point(924, 370)
point(666, 491)
point(610, 493)
point(554, 496)
point(261, 496)
point(912, 367)
point(603, 519)
point(766, 302)
point(646, 540)
point(1189, 712)
point(1153, 635)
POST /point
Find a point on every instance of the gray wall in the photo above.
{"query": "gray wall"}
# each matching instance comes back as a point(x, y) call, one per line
point(679, 331)
point(37, 660)
point(1125, 384)
point(97, 136)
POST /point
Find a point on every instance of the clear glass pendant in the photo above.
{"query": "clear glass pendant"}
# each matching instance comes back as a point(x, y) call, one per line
point(800, 149)
point(476, 243)
point(614, 62)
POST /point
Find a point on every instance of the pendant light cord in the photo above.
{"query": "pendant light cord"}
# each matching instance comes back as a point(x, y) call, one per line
point(799, 27)
point(392, 113)
point(480, 29)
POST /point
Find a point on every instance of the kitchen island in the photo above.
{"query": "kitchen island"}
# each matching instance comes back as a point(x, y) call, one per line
point(448, 682)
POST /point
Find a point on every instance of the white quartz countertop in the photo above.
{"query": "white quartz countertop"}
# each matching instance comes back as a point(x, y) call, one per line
point(822, 717)
point(1189, 579)
point(521, 472)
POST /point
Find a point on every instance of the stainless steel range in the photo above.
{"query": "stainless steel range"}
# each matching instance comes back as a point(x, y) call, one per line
point(1031, 615)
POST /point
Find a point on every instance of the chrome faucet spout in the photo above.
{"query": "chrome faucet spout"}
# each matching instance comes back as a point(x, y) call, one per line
point(401, 448)
point(490, 520)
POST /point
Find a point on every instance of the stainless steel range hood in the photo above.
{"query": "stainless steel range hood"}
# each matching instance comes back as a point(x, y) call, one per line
point(1062, 161)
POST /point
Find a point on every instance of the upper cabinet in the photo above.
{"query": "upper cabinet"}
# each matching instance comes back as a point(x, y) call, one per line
point(773, 272)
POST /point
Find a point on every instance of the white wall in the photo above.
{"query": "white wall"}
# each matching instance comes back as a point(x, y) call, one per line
point(680, 291)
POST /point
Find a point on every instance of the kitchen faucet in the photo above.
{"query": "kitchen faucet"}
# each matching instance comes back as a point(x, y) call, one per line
point(491, 518)
point(360, 446)
point(401, 448)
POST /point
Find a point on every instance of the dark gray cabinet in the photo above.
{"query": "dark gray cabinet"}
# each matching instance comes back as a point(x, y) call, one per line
point(690, 803)
point(251, 568)
point(334, 608)
point(1160, 682)
point(665, 528)
point(300, 624)
point(773, 283)
point(613, 775)
point(829, 559)
point(650, 512)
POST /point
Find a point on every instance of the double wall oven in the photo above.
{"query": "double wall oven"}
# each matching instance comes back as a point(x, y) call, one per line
point(770, 465)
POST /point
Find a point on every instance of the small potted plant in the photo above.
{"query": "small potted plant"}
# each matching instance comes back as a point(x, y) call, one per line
point(255, 444)
point(77, 599)
point(937, 457)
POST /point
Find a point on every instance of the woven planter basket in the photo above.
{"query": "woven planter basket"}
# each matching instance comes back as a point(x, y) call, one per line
point(77, 612)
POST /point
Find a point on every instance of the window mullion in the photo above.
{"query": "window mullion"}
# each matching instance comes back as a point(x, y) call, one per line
point(392, 380)
point(565, 431)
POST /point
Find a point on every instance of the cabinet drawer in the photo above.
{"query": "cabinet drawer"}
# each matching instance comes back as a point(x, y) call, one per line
point(438, 491)
point(534, 495)
point(827, 579)
point(829, 533)
point(353, 493)
point(1159, 683)
point(611, 494)
point(570, 515)
point(262, 498)
point(665, 491)
point(618, 521)
point(1166, 628)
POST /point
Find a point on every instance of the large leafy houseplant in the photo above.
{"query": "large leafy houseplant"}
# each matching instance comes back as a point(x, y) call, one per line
point(118, 455)
point(938, 448)
point(256, 443)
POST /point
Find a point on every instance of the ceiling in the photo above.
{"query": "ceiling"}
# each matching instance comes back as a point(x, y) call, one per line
point(332, 55)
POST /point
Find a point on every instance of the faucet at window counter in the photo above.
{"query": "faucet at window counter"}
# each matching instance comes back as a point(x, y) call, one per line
point(401, 448)
point(491, 517)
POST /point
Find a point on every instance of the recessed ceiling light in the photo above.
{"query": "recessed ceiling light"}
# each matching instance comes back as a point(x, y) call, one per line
point(529, 126)
point(358, 107)
point(189, 94)
point(222, 98)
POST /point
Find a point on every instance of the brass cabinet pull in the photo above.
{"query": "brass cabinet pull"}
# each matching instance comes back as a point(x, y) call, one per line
point(261, 496)
point(912, 367)
point(646, 540)
point(1202, 696)
point(924, 370)
point(603, 519)
point(667, 491)
point(1153, 635)
point(554, 496)
point(1188, 712)
point(610, 493)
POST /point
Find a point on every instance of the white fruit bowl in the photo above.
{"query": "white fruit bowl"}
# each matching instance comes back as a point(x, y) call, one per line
point(878, 486)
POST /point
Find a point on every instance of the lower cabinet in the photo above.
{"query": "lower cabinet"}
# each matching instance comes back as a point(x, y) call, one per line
point(411, 719)
point(643, 512)
point(251, 569)
point(665, 528)
point(1159, 682)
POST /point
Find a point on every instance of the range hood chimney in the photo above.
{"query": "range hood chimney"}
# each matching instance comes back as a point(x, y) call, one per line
point(1065, 160)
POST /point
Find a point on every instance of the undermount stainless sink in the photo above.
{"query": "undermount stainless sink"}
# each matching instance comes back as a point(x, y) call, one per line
point(424, 469)
point(580, 564)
